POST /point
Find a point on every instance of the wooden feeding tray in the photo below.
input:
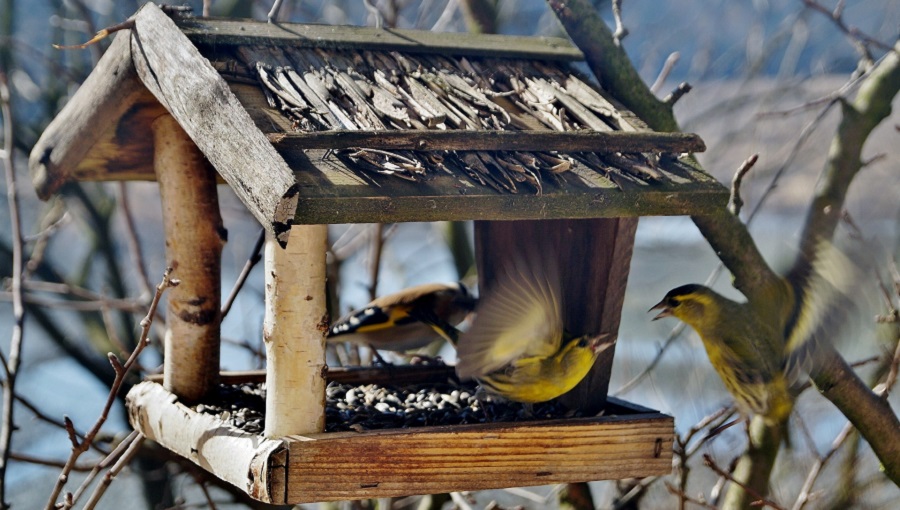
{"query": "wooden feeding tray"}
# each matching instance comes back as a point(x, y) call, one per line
point(315, 125)
point(626, 441)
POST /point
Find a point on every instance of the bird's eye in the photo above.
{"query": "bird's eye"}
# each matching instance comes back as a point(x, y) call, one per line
point(673, 302)
point(583, 342)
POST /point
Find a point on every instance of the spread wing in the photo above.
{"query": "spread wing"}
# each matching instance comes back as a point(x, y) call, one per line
point(520, 317)
point(829, 289)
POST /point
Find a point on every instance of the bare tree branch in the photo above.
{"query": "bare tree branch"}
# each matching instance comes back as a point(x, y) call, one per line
point(12, 361)
point(668, 65)
point(735, 202)
point(79, 447)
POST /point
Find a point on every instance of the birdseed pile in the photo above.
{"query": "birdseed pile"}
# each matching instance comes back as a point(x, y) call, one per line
point(352, 407)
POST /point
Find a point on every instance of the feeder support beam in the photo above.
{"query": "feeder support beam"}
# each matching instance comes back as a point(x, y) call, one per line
point(194, 240)
point(294, 332)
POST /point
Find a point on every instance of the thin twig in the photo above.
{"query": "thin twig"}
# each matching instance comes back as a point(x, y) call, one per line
point(41, 240)
point(375, 264)
point(814, 472)
point(668, 65)
point(685, 498)
point(273, 13)
point(760, 500)
point(255, 257)
point(713, 421)
point(884, 388)
point(460, 501)
point(859, 39)
point(106, 461)
point(121, 370)
point(38, 461)
point(126, 457)
point(209, 500)
point(125, 305)
point(621, 32)
point(374, 11)
point(831, 97)
point(683, 452)
point(682, 89)
point(52, 421)
point(134, 246)
point(735, 203)
point(11, 365)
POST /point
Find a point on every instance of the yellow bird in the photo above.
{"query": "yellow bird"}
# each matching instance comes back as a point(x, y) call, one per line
point(516, 347)
point(743, 347)
point(407, 320)
point(758, 349)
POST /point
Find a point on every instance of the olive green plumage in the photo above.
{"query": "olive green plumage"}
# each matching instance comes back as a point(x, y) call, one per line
point(759, 348)
point(743, 346)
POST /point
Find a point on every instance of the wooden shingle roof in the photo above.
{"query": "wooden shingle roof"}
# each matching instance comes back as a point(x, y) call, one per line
point(322, 124)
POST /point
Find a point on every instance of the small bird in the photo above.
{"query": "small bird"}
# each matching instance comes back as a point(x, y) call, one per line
point(744, 348)
point(517, 347)
point(407, 320)
point(759, 349)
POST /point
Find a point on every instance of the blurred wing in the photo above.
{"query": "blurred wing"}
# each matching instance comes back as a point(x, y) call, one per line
point(521, 317)
point(829, 290)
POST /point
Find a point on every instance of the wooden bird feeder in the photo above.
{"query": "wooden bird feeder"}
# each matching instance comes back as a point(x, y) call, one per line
point(314, 125)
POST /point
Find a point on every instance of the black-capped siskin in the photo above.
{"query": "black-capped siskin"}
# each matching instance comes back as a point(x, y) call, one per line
point(517, 347)
point(758, 349)
point(407, 320)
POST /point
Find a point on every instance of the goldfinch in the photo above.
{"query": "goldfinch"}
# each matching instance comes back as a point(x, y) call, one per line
point(407, 320)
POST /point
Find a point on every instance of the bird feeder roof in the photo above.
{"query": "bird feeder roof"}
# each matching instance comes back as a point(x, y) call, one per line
point(326, 124)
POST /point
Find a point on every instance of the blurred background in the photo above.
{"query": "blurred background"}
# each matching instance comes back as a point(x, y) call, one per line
point(760, 71)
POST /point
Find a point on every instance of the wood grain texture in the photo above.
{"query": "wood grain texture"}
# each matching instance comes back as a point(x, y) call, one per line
point(294, 332)
point(232, 32)
point(636, 442)
point(82, 138)
point(194, 240)
point(340, 466)
point(240, 459)
point(196, 95)
point(429, 140)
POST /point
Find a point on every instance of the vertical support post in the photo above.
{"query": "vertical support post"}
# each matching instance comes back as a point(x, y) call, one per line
point(594, 259)
point(194, 240)
point(294, 332)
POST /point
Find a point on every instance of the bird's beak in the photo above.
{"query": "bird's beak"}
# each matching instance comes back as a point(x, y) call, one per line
point(665, 311)
point(602, 342)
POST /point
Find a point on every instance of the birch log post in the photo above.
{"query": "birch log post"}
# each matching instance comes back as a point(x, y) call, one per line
point(294, 332)
point(194, 240)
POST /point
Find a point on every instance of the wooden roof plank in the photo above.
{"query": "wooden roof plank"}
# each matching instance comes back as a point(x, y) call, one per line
point(235, 32)
point(92, 115)
point(433, 140)
point(202, 103)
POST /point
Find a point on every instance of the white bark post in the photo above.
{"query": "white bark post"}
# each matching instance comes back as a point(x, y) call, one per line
point(194, 240)
point(294, 332)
